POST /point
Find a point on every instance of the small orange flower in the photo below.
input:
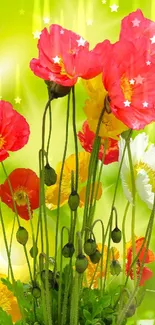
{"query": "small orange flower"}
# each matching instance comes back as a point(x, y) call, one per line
point(114, 254)
point(8, 302)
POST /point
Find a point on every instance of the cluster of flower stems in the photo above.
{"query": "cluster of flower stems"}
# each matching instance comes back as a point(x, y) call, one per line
point(73, 286)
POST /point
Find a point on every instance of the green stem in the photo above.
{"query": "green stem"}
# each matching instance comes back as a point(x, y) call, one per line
point(50, 128)
point(90, 171)
point(132, 297)
point(98, 182)
point(48, 300)
point(133, 207)
point(10, 265)
point(75, 139)
point(102, 252)
point(11, 239)
point(124, 238)
point(60, 279)
point(92, 188)
point(33, 238)
point(60, 184)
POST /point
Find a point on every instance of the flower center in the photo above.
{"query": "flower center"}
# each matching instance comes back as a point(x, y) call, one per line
point(150, 172)
point(126, 88)
point(63, 71)
point(2, 142)
point(20, 196)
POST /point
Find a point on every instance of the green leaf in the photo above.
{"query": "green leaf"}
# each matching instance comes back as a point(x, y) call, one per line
point(8, 284)
point(88, 322)
point(87, 314)
point(5, 319)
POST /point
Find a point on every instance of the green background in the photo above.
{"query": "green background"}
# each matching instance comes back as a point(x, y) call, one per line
point(18, 21)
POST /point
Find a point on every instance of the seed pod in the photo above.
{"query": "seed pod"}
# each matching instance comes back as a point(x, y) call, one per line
point(81, 263)
point(68, 250)
point(43, 275)
point(90, 246)
point(115, 268)
point(116, 235)
point(34, 251)
point(57, 90)
point(131, 310)
point(95, 258)
point(36, 292)
point(74, 200)
point(50, 176)
point(52, 283)
point(22, 236)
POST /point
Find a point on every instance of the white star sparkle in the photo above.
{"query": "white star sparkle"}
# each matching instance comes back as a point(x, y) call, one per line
point(56, 59)
point(89, 22)
point(21, 12)
point(135, 22)
point(127, 103)
point(17, 100)
point(62, 32)
point(148, 62)
point(46, 20)
point(145, 104)
point(152, 39)
point(104, 1)
point(114, 7)
point(36, 34)
point(139, 79)
point(81, 42)
point(132, 81)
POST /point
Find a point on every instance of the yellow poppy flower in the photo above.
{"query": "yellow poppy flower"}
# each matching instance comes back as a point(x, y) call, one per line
point(110, 127)
point(51, 195)
point(114, 254)
point(8, 302)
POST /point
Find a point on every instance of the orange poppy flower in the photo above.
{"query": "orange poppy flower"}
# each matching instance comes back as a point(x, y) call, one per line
point(8, 302)
point(150, 257)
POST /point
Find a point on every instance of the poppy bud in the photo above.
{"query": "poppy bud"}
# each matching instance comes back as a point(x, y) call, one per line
point(116, 235)
point(52, 283)
point(115, 268)
point(74, 200)
point(34, 251)
point(43, 275)
point(131, 310)
point(81, 263)
point(22, 236)
point(36, 292)
point(50, 176)
point(68, 250)
point(57, 90)
point(95, 258)
point(90, 246)
point(125, 134)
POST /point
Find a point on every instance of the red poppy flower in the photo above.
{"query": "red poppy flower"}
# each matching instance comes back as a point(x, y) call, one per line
point(25, 184)
point(150, 257)
point(135, 26)
point(14, 130)
point(129, 82)
point(87, 139)
point(64, 56)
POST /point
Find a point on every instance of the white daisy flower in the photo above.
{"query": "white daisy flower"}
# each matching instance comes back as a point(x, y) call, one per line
point(143, 159)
